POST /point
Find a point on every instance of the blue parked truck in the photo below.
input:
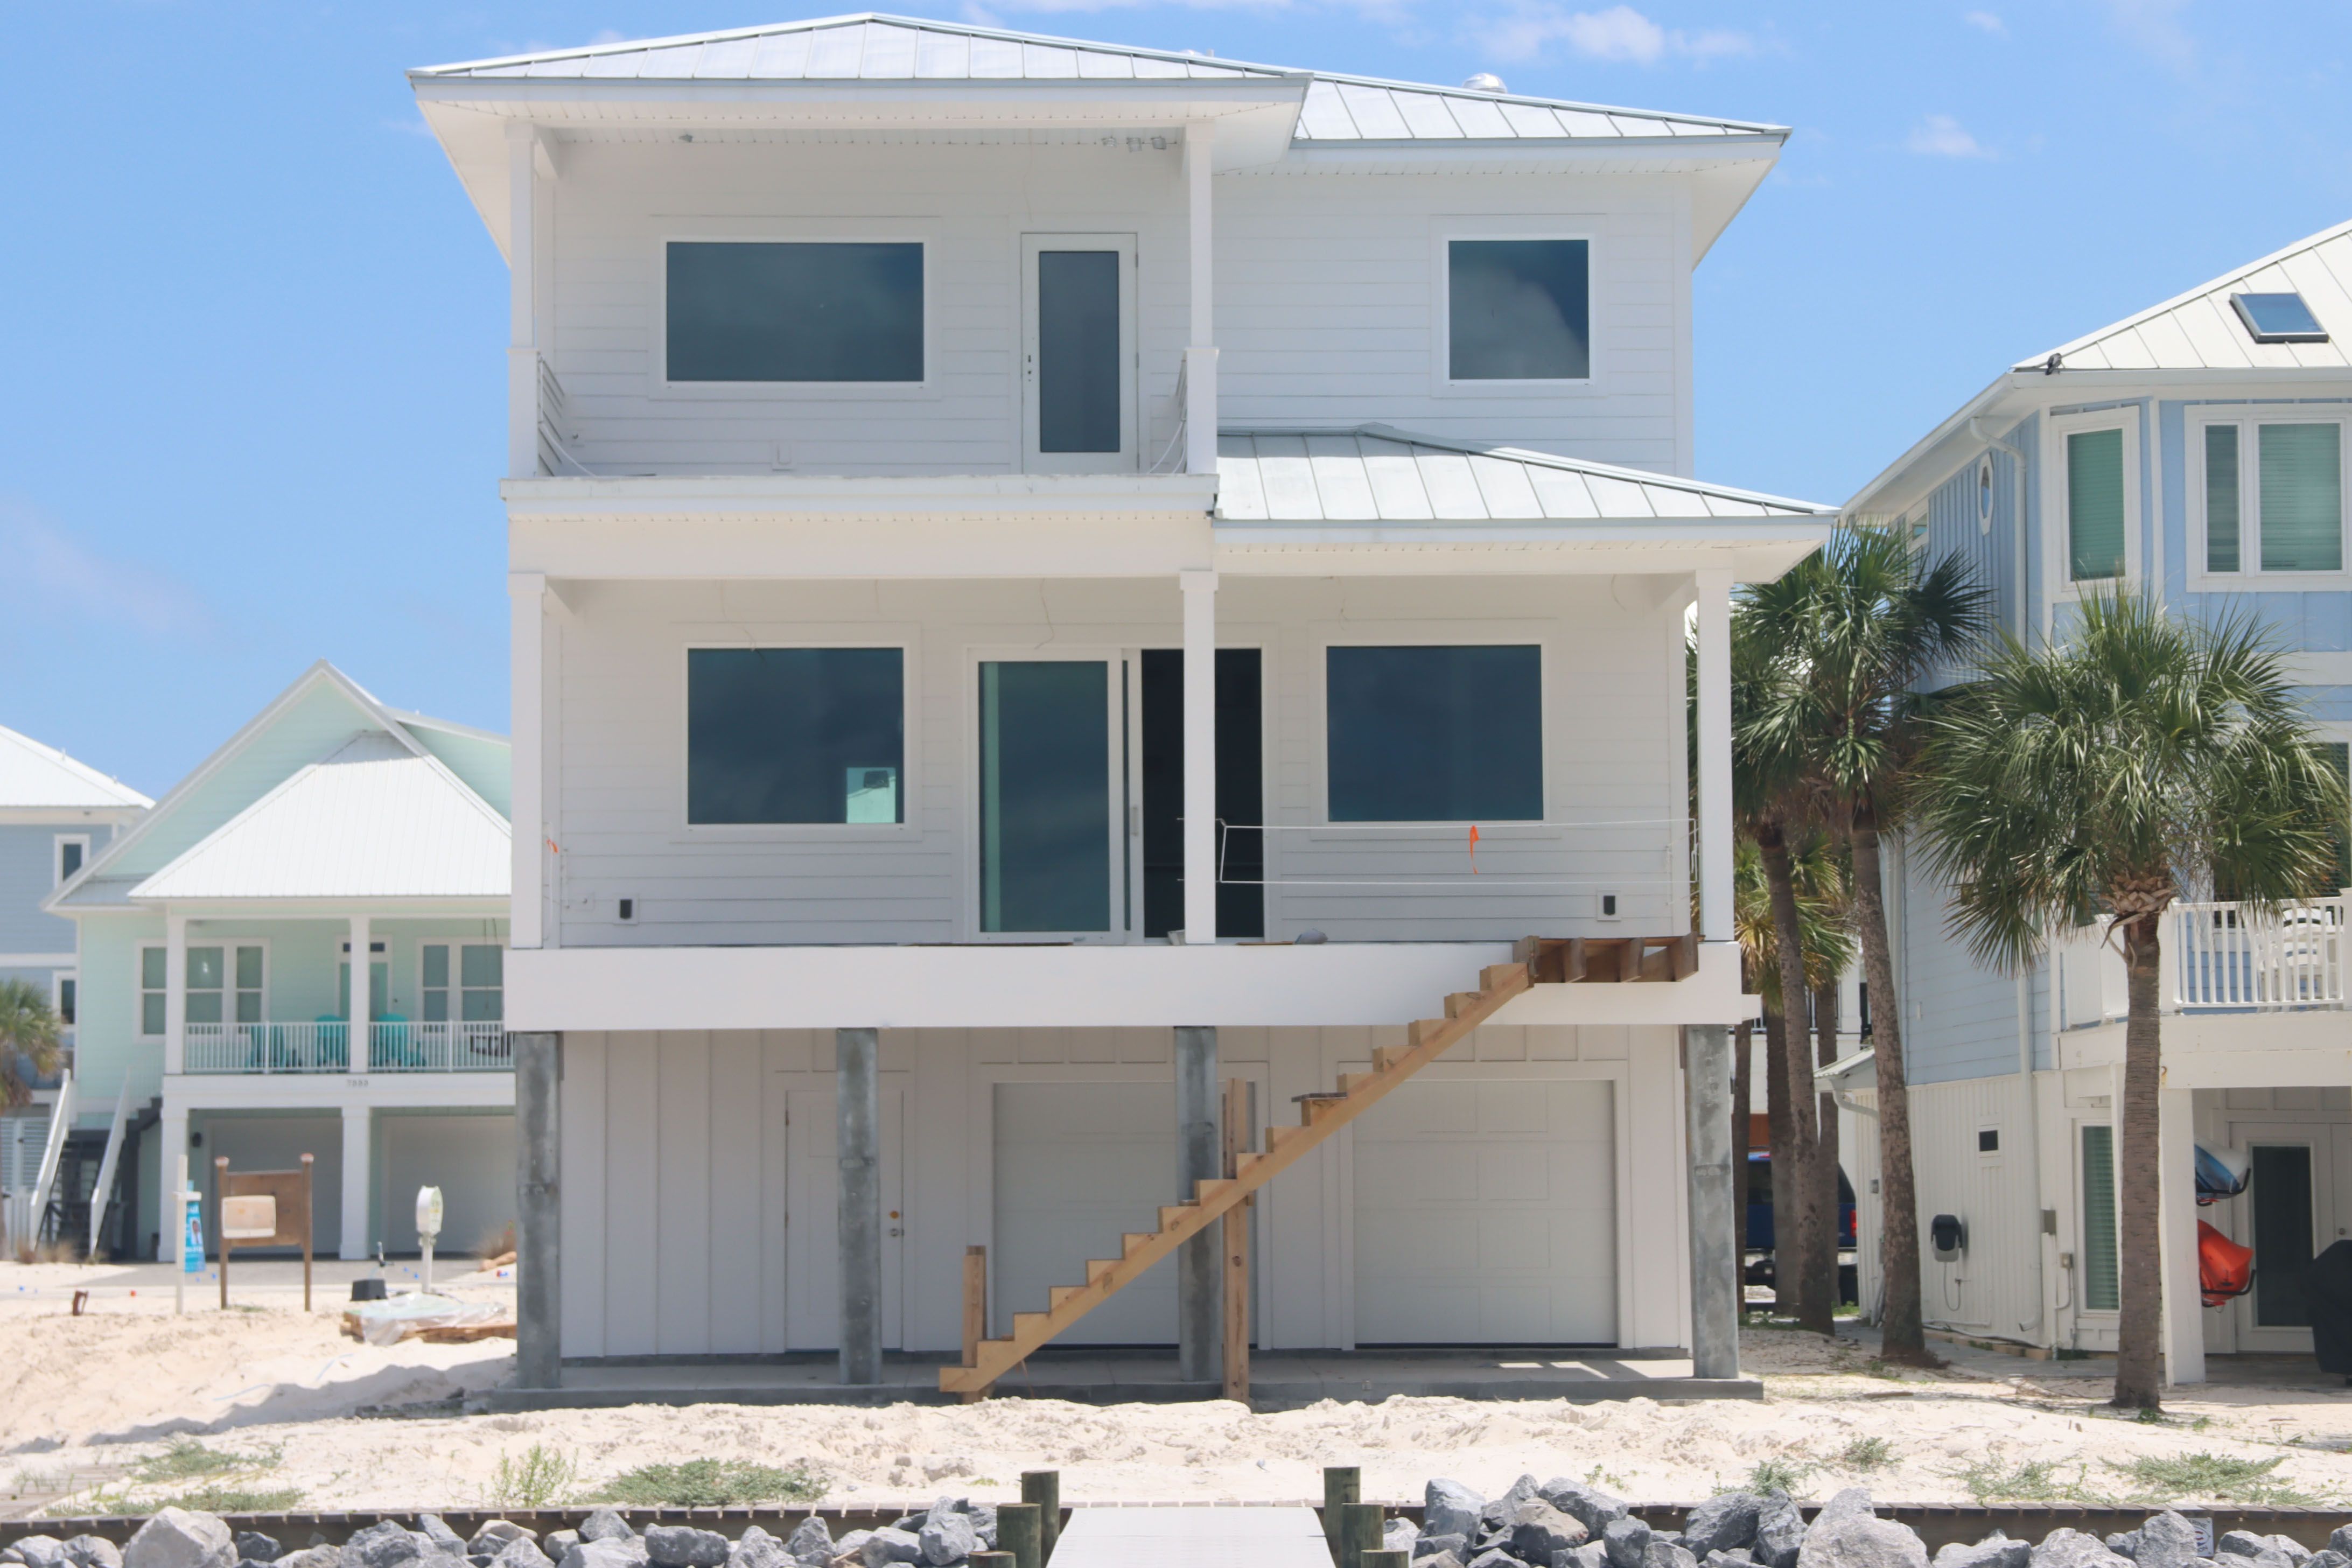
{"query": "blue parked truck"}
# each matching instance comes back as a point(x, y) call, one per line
point(1759, 1241)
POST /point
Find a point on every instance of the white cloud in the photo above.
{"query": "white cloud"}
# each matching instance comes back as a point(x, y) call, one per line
point(1619, 35)
point(1941, 136)
point(607, 36)
point(2155, 26)
point(1985, 22)
point(77, 585)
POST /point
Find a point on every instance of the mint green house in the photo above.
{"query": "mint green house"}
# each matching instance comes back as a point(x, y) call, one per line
point(217, 1012)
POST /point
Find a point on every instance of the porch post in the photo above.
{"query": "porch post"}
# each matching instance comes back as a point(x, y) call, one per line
point(1714, 1240)
point(176, 995)
point(1200, 757)
point(527, 659)
point(2184, 1304)
point(359, 1179)
point(1199, 1157)
point(857, 1115)
point(1714, 754)
point(539, 1210)
point(171, 1179)
point(363, 973)
point(1201, 354)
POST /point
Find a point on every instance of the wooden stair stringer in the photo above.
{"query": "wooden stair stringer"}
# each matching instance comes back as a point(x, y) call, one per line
point(1427, 1039)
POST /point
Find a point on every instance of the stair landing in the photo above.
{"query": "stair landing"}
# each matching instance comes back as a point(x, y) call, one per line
point(1192, 1538)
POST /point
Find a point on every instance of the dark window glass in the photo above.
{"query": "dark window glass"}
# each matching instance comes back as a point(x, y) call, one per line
point(1435, 734)
point(1044, 796)
point(68, 1000)
point(798, 734)
point(2281, 1194)
point(1519, 310)
point(768, 312)
point(68, 858)
point(1077, 350)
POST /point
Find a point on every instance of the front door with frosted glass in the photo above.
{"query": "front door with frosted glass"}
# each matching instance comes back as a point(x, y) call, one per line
point(1078, 354)
point(1052, 790)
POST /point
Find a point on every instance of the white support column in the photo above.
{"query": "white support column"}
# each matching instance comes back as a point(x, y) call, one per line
point(2184, 1305)
point(1200, 756)
point(359, 1179)
point(1714, 754)
point(363, 933)
point(1201, 356)
point(171, 1178)
point(523, 277)
point(527, 599)
point(176, 996)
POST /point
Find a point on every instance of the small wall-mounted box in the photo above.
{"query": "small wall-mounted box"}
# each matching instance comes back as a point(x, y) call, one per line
point(626, 911)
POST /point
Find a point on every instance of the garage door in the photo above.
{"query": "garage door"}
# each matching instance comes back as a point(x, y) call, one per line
point(1487, 1214)
point(1077, 1165)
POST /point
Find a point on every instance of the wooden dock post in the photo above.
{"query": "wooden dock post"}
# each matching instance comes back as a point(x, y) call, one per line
point(1343, 1485)
point(1240, 1138)
point(1043, 1487)
point(975, 1312)
point(1018, 1532)
point(1360, 1532)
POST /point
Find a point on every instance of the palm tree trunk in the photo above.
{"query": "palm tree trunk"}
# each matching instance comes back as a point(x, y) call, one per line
point(1825, 1148)
point(1788, 1282)
point(1796, 1244)
point(1903, 1330)
point(2139, 1335)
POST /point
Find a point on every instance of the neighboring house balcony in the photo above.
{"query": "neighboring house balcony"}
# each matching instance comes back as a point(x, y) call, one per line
point(393, 1046)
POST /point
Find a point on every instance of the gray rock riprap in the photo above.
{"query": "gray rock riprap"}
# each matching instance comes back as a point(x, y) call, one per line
point(625, 1552)
point(604, 1524)
point(1780, 1531)
point(683, 1546)
point(2072, 1548)
point(1847, 1534)
point(93, 1551)
point(36, 1551)
point(1722, 1523)
point(259, 1547)
point(385, 1544)
point(810, 1543)
point(1449, 1507)
point(1588, 1506)
point(1627, 1541)
point(1995, 1551)
point(2165, 1540)
point(1540, 1532)
point(436, 1529)
point(176, 1538)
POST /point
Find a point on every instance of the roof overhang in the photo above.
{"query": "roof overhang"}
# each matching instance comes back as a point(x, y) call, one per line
point(1752, 549)
point(451, 906)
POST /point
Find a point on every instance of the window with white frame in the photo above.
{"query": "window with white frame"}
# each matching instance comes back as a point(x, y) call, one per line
point(462, 981)
point(1519, 310)
point(68, 989)
point(2269, 492)
point(72, 854)
point(795, 735)
point(1469, 716)
point(765, 310)
point(2097, 478)
point(227, 983)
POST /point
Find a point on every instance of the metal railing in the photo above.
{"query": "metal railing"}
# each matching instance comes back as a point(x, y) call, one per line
point(391, 1045)
point(2224, 956)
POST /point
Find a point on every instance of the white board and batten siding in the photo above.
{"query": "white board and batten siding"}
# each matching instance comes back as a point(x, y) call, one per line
point(1329, 299)
point(697, 1220)
point(1613, 749)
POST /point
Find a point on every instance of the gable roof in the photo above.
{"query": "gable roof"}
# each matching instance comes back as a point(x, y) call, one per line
point(35, 776)
point(2200, 331)
point(1377, 474)
point(372, 820)
point(873, 46)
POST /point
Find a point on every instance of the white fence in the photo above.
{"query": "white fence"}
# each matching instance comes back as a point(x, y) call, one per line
point(391, 1045)
point(2224, 956)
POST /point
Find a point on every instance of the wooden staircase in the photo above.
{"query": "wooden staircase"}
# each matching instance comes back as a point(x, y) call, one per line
point(1321, 1115)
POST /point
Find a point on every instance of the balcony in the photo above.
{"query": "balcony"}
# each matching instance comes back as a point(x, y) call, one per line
point(393, 1046)
point(2224, 957)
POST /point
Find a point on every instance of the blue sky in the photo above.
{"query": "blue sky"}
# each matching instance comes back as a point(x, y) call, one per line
point(253, 409)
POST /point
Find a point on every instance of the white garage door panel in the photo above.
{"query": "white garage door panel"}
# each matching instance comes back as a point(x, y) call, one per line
point(1486, 1213)
point(1077, 1164)
point(470, 1158)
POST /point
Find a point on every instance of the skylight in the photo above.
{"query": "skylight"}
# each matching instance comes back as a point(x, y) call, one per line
point(2279, 318)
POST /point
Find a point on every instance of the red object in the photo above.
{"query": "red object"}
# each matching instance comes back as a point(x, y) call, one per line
point(2224, 1270)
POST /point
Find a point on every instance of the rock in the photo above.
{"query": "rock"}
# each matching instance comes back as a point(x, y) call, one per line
point(893, 1545)
point(522, 1552)
point(1627, 1539)
point(2165, 1540)
point(1540, 1531)
point(1588, 1506)
point(1495, 1557)
point(1398, 1535)
point(2072, 1548)
point(1428, 1545)
point(174, 1538)
point(948, 1536)
point(1663, 1554)
point(2246, 1543)
point(2326, 1557)
point(384, 1544)
point(1847, 1534)
point(1738, 1557)
point(259, 1547)
point(1995, 1551)
point(1497, 1514)
point(556, 1542)
point(1780, 1531)
point(604, 1524)
point(2341, 1542)
point(41, 1552)
point(849, 1552)
point(1443, 1560)
point(683, 1546)
point(437, 1531)
point(321, 1556)
point(625, 1552)
point(1449, 1507)
point(1721, 1524)
point(492, 1538)
point(93, 1551)
point(1592, 1555)
point(2124, 1543)
point(755, 1548)
point(810, 1543)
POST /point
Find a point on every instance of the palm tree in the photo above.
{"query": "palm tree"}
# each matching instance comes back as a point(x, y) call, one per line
point(1855, 630)
point(2143, 756)
point(28, 1041)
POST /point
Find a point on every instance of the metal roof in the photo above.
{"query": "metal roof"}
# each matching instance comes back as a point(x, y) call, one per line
point(1375, 474)
point(32, 777)
point(869, 47)
point(372, 820)
point(2199, 330)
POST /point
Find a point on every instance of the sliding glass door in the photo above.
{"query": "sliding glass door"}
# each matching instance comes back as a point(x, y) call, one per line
point(1052, 797)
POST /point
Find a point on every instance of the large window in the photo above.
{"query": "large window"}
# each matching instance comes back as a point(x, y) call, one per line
point(1434, 734)
point(2272, 495)
point(2094, 505)
point(462, 981)
point(2102, 1285)
point(1519, 310)
point(227, 983)
point(795, 735)
point(747, 310)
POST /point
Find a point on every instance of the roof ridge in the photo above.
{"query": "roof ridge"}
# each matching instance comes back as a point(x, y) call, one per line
point(2212, 285)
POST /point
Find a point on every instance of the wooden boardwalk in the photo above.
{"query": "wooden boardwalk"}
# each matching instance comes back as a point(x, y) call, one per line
point(1192, 1538)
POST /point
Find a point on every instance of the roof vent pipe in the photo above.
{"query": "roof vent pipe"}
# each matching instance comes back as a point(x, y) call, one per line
point(1484, 82)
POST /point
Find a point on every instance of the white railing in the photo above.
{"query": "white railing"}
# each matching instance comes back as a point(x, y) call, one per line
point(2224, 956)
point(391, 1045)
point(61, 1120)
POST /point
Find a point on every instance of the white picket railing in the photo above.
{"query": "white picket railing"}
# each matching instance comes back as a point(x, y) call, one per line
point(392, 1046)
point(2224, 956)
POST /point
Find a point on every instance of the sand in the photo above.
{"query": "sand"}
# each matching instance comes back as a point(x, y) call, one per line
point(83, 1399)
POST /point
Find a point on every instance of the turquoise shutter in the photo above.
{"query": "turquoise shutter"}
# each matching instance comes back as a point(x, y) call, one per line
point(2221, 498)
point(2094, 504)
point(2102, 1286)
point(2302, 477)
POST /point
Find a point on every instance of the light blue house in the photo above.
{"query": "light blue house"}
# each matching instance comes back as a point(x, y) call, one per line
point(218, 1013)
point(55, 815)
point(2194, 451)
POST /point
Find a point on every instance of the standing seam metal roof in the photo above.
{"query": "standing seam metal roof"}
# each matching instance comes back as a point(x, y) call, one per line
point(34, 775)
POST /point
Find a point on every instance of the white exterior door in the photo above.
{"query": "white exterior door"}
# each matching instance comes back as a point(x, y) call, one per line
point(814, 1267)
point(1487, 1214)
point(1077, 354)
point(1077, 1164)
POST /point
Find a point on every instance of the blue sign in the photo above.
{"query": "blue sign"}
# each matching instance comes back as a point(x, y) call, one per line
point(192, 1243)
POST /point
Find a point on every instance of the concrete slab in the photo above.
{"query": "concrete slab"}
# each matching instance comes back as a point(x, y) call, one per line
point(1192, 1538)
